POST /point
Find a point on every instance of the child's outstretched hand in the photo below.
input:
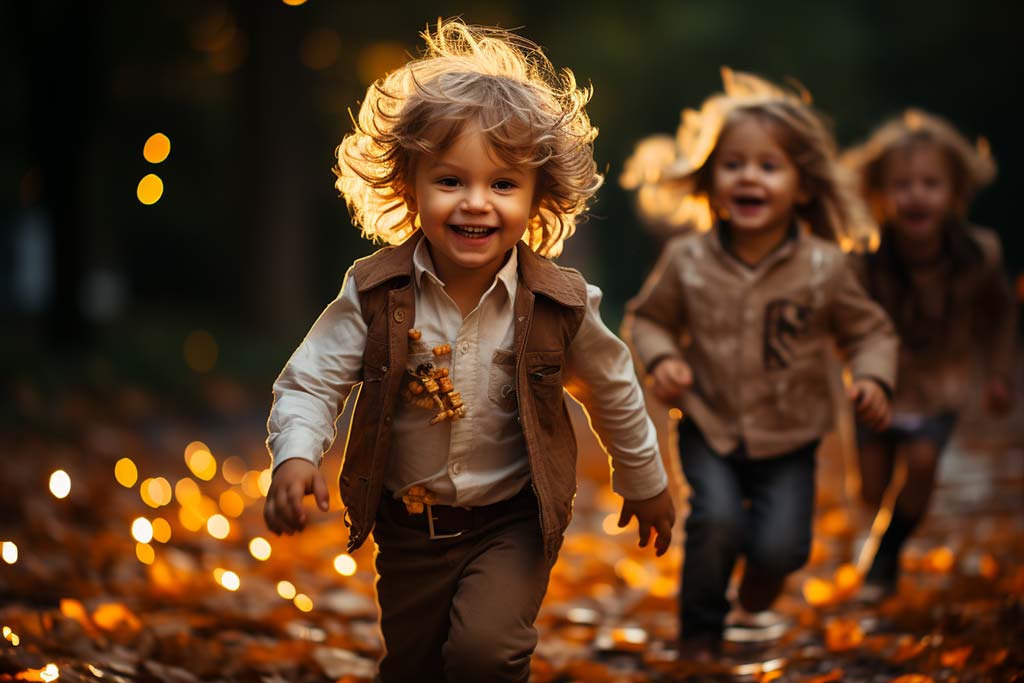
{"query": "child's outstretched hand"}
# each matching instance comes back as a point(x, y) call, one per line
point(670, 378)
point(295, 478)
point(658, 513)
point(998, 396)
point(870, 403)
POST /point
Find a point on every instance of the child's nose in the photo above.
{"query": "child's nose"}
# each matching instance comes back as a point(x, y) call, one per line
point(476, 200)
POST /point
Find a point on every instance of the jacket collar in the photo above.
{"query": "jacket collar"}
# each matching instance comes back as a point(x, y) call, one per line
point(539, 275)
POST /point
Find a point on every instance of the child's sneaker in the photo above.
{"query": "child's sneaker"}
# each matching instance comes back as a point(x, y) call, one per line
point(742, 626)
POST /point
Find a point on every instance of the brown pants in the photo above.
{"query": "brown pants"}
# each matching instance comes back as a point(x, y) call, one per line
point(462, 609)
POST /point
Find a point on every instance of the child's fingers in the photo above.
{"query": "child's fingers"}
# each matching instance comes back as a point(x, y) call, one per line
point(645, 534)
point(664, 539)
point(296, 515)
point(320, 492)
point(624, 516)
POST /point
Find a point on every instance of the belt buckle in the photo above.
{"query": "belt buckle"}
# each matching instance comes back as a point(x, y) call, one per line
point(430, 525)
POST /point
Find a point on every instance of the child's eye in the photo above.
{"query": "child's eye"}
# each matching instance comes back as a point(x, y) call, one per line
point(504, 185)
point(448, 182)
point(730, 164)
point(769, 166)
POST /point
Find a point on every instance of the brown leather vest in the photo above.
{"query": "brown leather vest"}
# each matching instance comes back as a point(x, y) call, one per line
point(549, 308)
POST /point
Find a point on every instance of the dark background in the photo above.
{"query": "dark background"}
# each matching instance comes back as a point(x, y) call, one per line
point(250, 239)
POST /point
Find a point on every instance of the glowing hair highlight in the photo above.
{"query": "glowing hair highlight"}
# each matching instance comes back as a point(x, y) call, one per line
point(532, 115)
point(672, 176)
point(972, 166)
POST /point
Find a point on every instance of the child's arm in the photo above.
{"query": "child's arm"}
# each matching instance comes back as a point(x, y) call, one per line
point(867, 339)
point(308, 397)
point(599, 374)
point(654, 323)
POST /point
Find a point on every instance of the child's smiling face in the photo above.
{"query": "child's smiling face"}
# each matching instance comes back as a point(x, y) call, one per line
point(753, 180)
point(473, 207)
point(917, 191)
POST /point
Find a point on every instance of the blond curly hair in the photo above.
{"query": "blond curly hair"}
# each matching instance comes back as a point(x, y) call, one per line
point(971, 166)
point(533, 116)
point(673, 176)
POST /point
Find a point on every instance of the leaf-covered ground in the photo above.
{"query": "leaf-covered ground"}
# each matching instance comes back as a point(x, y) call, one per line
point(88, 592)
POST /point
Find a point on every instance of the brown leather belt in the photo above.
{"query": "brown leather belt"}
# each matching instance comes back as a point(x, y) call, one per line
point(449, 521)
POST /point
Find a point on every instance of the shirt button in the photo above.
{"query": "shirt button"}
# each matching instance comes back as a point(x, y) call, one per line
point(464, 347)
point(456, 468)
point(399, 315)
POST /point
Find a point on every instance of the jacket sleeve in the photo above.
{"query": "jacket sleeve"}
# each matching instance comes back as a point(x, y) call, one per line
point(997, 309)
point(600, 375)
point(311, 391)
point(862, 329)
point(655, 318)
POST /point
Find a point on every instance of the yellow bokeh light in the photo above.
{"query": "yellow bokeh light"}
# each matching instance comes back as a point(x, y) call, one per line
point(145, 553)
point(231, 503)
point(940, 560)
point(161, 530)
point(202, 464)
point(259, 548)
point(294, 3)
point(200, 351)
point(218, 526)
point(229, 580)
point(610, 525)
point(303, 602)
point(251, 484)
point(818, 592)
point(15, 640)
point(191, 519)
point(155, 492)
point(186, 491)
point(233, 470)
point(286, 589)
point(156, 149)
point(635, 574)
point(9, 552)
point(142, 530)
point(60, 484)
point(675, 414)
point(345, 565)
point(150, 189)
point(126, 473)
point(264, 481)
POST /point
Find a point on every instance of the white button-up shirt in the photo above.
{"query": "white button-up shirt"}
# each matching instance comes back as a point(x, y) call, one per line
point(481, 458)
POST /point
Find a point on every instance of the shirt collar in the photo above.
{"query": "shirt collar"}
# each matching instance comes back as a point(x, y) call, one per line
point(423, 266)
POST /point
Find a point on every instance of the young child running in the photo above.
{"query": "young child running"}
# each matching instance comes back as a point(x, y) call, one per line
point(733, 327)
point(473, 162)
point(942, 282)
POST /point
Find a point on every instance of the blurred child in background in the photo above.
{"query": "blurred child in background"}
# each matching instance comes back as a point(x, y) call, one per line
point(733, 327)
point(942, 281)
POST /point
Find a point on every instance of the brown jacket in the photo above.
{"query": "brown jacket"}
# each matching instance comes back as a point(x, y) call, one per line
point(757, 337)
point(945, 313)
point(548, 308)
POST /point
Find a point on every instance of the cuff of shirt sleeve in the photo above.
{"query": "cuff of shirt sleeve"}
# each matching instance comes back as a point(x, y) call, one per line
point(285, 447)
point(640, 483)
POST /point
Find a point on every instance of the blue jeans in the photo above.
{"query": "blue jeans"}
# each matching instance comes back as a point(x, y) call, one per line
point(760, 508)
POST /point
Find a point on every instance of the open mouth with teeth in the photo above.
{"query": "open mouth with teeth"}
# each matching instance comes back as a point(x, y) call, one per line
point(473, 232)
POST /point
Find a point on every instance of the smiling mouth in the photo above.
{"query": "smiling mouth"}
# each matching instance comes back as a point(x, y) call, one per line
point(749, 202)
point(472, 231)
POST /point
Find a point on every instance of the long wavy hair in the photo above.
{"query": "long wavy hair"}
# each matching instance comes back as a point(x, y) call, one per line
point(673, 176)
point(532, 115)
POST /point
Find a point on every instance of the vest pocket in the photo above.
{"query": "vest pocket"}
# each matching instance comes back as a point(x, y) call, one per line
point(501, 384)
